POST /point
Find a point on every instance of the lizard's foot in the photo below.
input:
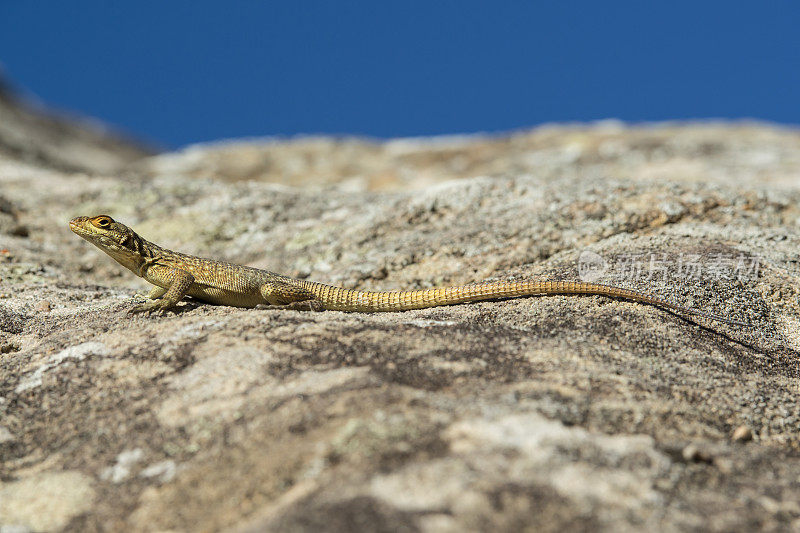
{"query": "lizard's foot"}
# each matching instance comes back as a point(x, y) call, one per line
point(157, 306)
point(305, 305)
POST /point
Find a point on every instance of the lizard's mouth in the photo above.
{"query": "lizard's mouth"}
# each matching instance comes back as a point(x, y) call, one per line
point(77, 227)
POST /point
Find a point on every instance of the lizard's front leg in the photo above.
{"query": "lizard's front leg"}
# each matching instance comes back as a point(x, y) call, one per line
point(181, 281)
point(155, 293)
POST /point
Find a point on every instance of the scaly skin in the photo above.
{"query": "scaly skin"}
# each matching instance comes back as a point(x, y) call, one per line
point(176, 275)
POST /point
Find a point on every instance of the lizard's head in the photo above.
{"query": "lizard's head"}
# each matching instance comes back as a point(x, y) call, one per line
point(114, 238)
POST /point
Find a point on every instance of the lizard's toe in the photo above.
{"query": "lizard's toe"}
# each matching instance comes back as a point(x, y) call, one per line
point(304, 305)
point(316, 306)
point(139, 309)
point(152, 306)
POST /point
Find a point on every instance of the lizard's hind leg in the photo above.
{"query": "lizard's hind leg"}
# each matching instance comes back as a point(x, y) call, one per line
point(288, 296)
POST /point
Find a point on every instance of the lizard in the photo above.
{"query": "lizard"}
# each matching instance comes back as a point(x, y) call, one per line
point(176, 275)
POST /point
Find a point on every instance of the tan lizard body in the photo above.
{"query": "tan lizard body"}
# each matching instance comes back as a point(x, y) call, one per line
point(176, 275)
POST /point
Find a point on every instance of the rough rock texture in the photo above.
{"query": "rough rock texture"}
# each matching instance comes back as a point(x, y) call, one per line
point(30, 133)
point(548, 414)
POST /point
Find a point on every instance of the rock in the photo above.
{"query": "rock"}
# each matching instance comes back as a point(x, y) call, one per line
point(164, 471)
point(693, 453)
point(46, 501)
point(121, 469)
point(551, 413)
point(5, 435)
point(78, 353)
point(40, 137)
point(742, 434)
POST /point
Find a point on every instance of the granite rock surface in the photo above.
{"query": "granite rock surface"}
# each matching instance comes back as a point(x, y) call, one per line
point(547, 413)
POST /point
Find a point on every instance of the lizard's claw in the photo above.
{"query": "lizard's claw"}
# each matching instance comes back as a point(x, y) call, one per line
point(157, 306)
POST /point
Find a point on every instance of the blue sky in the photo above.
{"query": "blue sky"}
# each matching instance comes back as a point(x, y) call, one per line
point(177, 72)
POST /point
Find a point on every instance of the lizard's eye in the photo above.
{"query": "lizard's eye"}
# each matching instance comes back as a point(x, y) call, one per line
point(103, 222)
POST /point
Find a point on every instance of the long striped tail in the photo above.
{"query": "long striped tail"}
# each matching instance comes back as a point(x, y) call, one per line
point(340, 299)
